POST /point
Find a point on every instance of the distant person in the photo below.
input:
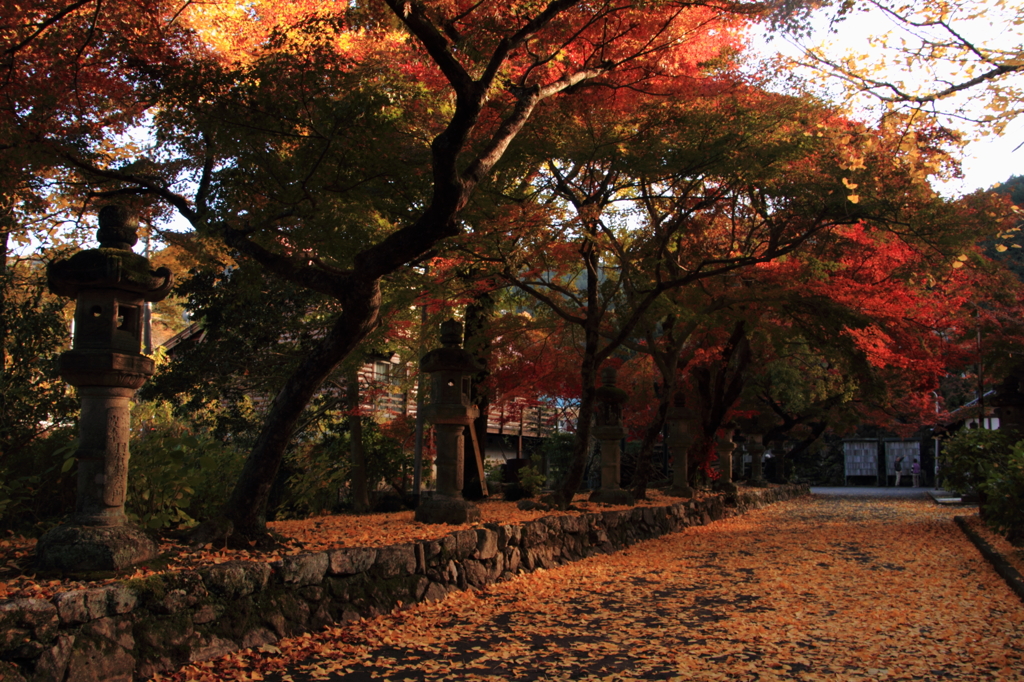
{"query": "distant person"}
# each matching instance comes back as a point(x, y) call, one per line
point(915, 472)
point(898, 466)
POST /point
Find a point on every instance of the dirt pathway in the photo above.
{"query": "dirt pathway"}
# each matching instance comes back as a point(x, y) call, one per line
point(814, 589)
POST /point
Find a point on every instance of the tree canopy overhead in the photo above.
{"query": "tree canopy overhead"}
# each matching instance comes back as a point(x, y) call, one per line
point(337, 143)
point(962, 58)
point(342, 145)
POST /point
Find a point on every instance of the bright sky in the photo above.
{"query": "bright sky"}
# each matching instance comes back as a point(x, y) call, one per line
point(988, 159)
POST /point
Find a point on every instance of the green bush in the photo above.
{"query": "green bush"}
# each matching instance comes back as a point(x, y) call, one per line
point(37, 489)
point(967, 458)
point(531, 479)
point(179, 473)
point(557, 450)
point(1004, 493)
point(38, 410)
point(319, 469)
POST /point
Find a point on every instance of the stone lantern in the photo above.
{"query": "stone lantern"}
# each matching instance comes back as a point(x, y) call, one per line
point(683, 423)
point(756, 448)
point(1009, 406)
point(450, 368)
point(110, 284)
point(725, 446)
point(610, 432)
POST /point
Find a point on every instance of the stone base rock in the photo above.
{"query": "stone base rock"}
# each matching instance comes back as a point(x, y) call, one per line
point(612, 497)
point(726, 487)
point(93, 548)
point(680, 491)
point(758, 483)
point(447, 510)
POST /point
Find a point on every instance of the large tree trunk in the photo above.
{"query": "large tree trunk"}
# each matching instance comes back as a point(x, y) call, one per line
point(246, 509)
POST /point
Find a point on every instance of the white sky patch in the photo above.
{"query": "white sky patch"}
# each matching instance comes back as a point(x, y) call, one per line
point(873, 38)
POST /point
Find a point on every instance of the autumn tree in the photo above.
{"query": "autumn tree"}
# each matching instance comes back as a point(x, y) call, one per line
point(659, 205)
point(858, 329)
point(336, 145)
point(942, 56)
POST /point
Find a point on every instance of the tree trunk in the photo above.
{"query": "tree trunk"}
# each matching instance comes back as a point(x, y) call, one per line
point(592, 360)
point(4, 236)
point(477, 343)
point(720, 387)
point(668, 361)
point(246, 509)
point(644, 468)
point(360, 489)
point(581, 447)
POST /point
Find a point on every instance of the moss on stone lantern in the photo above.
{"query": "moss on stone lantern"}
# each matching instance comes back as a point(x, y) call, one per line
point(450, 411)
point(110, 285)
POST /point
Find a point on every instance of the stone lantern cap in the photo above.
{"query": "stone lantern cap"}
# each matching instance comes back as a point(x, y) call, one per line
point(679, 409)
point(609, 393)
point(451, 357)
point(1008, 394)
point(448, 368)
point(113, 265)
point(727, 433)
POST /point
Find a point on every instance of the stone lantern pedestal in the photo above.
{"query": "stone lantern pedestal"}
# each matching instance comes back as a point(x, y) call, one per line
point(755, 445)
point(610, 432)
point(1009, 405)
point(725, 448)
point(682, 428)
point(451, 412)
point(111, 285)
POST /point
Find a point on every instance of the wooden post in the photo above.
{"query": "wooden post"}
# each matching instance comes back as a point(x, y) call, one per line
point(479, 460)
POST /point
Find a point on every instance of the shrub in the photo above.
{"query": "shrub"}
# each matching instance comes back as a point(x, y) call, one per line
point(531, 479)
point(37, 488)
point(1004, 493)
point(967, 457)
point(38, 410)
point(320, 467)
point(556, 450)
point(522, 479)
point(179, 473)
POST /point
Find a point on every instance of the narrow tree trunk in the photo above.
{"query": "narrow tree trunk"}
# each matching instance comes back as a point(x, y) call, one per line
point(644, 468)
point(358, 481)
point(4, 236)
point(668, 362)
point(589, 365)
point(477, 343)
point(581, 447)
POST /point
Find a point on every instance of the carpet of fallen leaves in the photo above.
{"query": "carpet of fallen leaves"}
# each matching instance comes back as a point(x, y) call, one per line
point(307, 535)
point(812, 589)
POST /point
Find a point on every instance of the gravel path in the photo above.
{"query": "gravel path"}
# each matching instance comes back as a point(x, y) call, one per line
point(821, 588)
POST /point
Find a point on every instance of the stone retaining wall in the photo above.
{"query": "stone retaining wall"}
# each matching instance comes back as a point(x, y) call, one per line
point(133, 629)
